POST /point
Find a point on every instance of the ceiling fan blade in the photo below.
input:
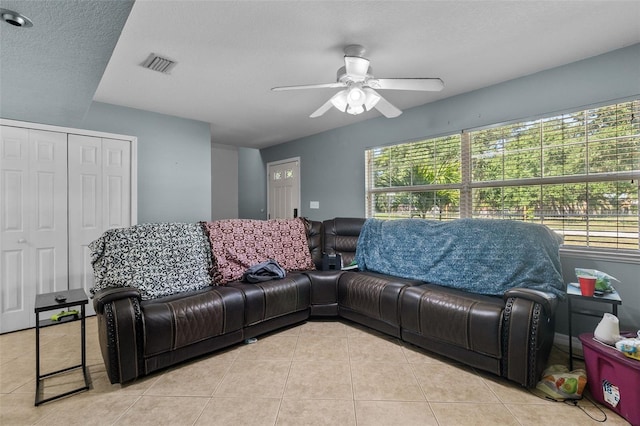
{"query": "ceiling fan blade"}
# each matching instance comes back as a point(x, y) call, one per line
point(356, 67)
point(310, 86)
point(386, 108)
point(424, 84)
point(324, 108)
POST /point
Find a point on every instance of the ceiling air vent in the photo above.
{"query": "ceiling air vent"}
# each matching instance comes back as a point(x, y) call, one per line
point(158, 63)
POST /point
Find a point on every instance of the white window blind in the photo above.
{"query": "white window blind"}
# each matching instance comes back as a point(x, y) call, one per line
point(417, 179)
point(576, 173)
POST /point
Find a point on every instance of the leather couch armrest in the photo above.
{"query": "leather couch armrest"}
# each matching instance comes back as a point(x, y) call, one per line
point(111, 294)
point(548, 301)
point(120, 332)
point(528, 332)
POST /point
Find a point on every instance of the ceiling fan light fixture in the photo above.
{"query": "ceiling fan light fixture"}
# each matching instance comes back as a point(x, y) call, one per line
point(357, 99)
point(356, 96)
point(355, 109)
point(372, 99)
point(339, 100)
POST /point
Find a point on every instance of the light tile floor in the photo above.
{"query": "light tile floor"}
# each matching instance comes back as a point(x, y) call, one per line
point(316, 373)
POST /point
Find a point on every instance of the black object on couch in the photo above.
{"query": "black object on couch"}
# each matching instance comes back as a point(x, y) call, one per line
point(509, 336)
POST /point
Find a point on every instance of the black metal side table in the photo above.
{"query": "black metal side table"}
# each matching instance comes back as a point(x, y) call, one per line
point(573, 293)
point(59, 301)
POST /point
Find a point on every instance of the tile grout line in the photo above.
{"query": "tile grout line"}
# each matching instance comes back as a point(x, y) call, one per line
point(204, 407)
point(284, 389)
point(413, 371)
point(213, 392)
point(353, 387)
point(127, 410)
point(215, 389)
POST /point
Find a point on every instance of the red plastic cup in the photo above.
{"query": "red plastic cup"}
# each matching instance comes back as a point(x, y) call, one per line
point(587, 286)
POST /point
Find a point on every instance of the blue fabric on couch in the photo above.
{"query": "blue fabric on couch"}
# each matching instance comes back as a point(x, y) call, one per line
point(477, 255)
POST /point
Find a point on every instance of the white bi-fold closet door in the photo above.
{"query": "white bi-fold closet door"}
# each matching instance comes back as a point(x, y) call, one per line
point(60, 190)
point(99, 172)
point(33, 233)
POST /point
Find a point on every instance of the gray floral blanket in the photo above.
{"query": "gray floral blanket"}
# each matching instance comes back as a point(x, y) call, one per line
point(159, 259)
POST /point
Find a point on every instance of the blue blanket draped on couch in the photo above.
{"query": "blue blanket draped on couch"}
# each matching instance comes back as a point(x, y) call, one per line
point(476, 255)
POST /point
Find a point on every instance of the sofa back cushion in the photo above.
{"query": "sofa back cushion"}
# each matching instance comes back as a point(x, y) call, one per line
point(341, 237)
point(237, 244)
point(314, 240)
point(159, 259)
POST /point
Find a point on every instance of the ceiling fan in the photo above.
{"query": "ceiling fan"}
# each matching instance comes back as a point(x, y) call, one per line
point(359, 87)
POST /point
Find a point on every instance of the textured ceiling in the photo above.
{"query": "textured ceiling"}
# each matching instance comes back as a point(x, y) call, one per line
point(230, 53)
point(50, 72)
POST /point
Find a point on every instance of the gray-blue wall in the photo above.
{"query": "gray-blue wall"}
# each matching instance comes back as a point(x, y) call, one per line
point(332, 163)
point(174, 161)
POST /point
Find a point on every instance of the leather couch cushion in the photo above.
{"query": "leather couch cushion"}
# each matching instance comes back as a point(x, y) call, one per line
point(271, 299)
point(180, 321)
point(371, 294)
point(341, 237)
point(314, 238)
point(470, 321)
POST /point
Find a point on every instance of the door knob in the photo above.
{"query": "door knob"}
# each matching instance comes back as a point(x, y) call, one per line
point(22, 241)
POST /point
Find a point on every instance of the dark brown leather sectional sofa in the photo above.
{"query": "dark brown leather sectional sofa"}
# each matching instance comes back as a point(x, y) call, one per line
point(508, 336)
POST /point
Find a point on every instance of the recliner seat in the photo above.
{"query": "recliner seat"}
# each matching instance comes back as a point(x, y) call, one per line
point(372, 299)
point(273, 304)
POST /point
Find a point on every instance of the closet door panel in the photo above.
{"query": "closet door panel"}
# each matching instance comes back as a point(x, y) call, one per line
point(14, 250)
point(14, 188)
point(85, 207)
point(49, 221)
point(33, 221)
point(116, 171)
point(13, 285)
point(14, 171)
point(90, 202)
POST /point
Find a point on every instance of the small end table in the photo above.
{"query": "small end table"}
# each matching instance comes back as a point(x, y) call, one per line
point(573, 293)
point(47, 302)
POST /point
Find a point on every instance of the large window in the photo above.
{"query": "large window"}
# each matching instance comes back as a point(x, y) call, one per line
point(576, 173)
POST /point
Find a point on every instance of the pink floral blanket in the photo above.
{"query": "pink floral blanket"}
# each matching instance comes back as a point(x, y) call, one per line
point(237, 244)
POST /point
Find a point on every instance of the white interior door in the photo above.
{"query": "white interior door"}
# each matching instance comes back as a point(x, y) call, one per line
point(33, 221)
point(85, 207)
point(99, 199)
point(284, 189)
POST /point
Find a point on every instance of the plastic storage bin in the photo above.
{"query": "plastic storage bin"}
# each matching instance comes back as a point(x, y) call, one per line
point(613, 379)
